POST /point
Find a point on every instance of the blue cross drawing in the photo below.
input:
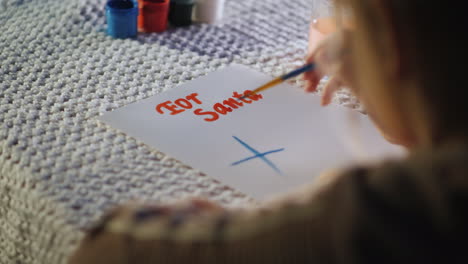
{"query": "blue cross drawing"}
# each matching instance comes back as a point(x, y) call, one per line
point(258, 155)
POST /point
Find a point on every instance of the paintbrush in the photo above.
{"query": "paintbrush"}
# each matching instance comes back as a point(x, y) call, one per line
point(276, 81)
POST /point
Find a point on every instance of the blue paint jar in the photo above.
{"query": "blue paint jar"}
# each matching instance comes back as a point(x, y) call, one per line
point(121, 16)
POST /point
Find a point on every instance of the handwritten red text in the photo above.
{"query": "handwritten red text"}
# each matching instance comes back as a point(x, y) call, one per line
point(215, 112)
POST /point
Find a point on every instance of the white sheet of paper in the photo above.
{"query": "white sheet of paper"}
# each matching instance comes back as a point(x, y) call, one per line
point(305, 138)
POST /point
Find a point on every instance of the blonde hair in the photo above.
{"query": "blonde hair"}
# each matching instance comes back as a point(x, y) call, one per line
point(433, 53)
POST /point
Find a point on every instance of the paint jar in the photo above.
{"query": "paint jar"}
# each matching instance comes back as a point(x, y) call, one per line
point(121, 17)
point(209, 11)
point(180, 12)
point(153, 15)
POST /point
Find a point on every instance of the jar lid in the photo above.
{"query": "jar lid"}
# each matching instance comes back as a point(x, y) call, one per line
point(183, 1)
point(122, 7)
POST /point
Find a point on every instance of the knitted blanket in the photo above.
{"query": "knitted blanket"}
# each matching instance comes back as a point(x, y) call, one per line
point(61, 169)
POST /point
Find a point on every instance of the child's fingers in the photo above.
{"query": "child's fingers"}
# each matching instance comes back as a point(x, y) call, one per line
point(333, 85)
point(311, 82)
point(313, 77)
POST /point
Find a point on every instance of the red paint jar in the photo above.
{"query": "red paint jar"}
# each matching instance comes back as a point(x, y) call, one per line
point(153, 15)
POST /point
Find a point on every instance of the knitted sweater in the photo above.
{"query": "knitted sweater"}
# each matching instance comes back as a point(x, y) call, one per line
point(411, 211)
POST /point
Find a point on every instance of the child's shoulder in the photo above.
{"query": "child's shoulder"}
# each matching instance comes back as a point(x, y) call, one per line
point(429, 185)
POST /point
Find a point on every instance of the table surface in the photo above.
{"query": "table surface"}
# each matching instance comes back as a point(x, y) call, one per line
point(61, 169)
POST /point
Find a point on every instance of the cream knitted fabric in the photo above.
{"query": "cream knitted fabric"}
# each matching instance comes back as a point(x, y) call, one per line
point(60, 169)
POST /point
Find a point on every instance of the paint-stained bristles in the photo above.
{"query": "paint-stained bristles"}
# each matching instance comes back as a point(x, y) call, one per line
point(263, 87)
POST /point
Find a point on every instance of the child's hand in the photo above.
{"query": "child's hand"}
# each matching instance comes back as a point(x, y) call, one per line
point(329, 50)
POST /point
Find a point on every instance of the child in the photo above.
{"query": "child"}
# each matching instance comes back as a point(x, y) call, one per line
point(404, 60)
